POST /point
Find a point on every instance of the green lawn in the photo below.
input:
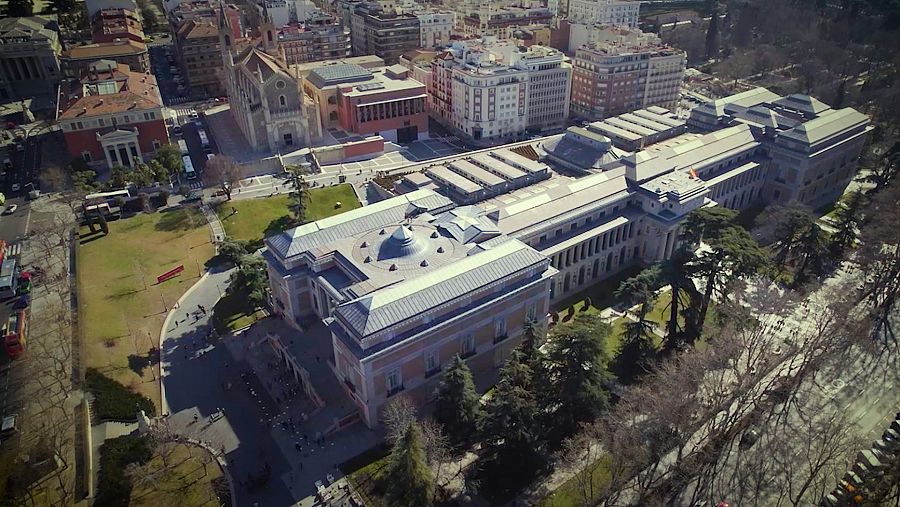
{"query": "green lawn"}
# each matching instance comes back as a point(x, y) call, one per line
point(257, 218)
point(185, 478)
point(571, 494)
point(121, 308)
point(601, 294)
point(231, 313)
point(367, 479)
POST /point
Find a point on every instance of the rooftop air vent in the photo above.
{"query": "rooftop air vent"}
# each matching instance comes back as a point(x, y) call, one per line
point(424, 263)
point(367, 259)
point(393, 267)
point(440, 249)
point(382, 232)
point(363, 244)
point(434, 235)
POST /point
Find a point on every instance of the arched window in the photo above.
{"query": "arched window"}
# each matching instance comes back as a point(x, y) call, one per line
point(332, 116)
point(269, 35)
point(332, 100)
point(282, 101)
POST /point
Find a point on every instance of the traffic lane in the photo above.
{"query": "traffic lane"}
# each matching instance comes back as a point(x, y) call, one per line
point(195, 148)
point(14, 227)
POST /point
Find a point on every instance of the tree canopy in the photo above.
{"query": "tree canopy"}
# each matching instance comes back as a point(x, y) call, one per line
point(458, 406)
point(409, 479)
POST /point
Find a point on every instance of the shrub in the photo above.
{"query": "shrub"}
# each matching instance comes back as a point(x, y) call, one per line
point(120, 202)
point(113, 401)
point(184, 190)
point(114, 487)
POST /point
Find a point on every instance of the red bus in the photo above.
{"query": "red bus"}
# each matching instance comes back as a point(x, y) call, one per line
point(16, 331)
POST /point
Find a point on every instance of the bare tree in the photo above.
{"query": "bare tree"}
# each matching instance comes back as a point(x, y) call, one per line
point(223, 172)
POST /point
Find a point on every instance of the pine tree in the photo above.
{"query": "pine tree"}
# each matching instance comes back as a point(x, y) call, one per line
point(637, 346)
point(458, 406)
point(409, 479)
point(533, 337)
point(300, 198)
point(510, 431)
point(712, 33)
point(577, 365)
point(846, 223)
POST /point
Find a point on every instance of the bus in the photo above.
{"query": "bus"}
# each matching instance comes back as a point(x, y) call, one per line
point(189, 171)
point(14, 338)
point(183, 147)
point(204, 140)
point(9, 281)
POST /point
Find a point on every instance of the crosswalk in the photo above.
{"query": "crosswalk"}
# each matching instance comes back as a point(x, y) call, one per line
point(183, 112)
point(14, 249)
point(194, 185)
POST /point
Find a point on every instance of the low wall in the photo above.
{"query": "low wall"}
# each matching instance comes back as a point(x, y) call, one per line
point(357, 150)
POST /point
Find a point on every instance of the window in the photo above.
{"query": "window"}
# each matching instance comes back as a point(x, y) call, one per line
point(86, 156)
point(531, 312)
point(288, 139)
point(279, 84)
point(393, 382)
point(499, 329)
point(467, 346)
point(102, 122)
point(282, 101)
point(432, 363)
point(156, 144)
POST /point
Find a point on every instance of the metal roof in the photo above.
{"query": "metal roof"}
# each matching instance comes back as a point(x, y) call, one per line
point(392, 305)
point(336, 74)
point(475, 173)
point(301, 239)
point(825, 127)
point(458, 182)
point(497, 166)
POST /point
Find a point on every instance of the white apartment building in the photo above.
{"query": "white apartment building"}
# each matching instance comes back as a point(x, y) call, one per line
point(610, 12)
point(284, 12)
point(498, 91)
point(435, 28)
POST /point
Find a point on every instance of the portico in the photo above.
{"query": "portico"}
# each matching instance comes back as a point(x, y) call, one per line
point(121, 147)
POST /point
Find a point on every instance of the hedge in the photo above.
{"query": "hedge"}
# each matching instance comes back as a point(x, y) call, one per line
point(113, 401)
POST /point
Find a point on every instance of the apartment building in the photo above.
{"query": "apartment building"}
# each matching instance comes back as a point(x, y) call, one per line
point(200, 57)
point(384, 34)
point(285, 12)
point(492, 21)
point(435, 28)
point(29, 58)
point(498, 90)
point(110, 25)
point(607, 12)
point(206, 10)
point(77, 59)
point(320, 37)
point(405, 285)
point(386, 101)
point(614, 77)
point(112, 116)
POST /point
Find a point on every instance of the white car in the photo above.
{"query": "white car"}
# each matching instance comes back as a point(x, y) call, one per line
point(10, 209)
point(194, 115)
point(16, 187)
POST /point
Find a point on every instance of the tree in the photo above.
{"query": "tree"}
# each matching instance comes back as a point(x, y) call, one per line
point(781, 226)
point(142, 176)
point(812, 253)
point(577, 375)
point(510, 433)
point(62, 6)
point(158, 172)
point(53, 178)
point(118, 178)
point(637, 346)
point(730, 254)
point(675, 274)
point(533, 336)
point(458, 407)
point(169, 157)
point(712, 33)
point(250, 279)
point(409, 479)
point(19, 8)
point(846, 223)
point(879, 258)
point(232, 251)
point(85, 181)
point(300, 198)
point(222, 172)
point(885, 169)
point(151, 23)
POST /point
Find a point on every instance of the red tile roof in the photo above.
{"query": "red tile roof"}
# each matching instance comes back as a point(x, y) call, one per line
point(136, 92)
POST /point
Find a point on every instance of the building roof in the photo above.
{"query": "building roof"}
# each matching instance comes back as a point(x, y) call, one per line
point(306, 237)
point(257, 61)
point(125, 47)
point(108, 88)
point(197, 29)
point(803, 103)
point(400, 302)
point(825, 127)
point(34, 28)
point(338, 74)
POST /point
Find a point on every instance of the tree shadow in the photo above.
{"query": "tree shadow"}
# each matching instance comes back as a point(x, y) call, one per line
point(138, 363)
point(84, 239)
point(174, 220)
point(279, 225)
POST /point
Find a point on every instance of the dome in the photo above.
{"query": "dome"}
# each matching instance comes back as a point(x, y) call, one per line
point(403, 243)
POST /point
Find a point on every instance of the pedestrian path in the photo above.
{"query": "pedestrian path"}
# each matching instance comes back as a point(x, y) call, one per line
point(184, 112)
point(215, 225)
point(14, 249)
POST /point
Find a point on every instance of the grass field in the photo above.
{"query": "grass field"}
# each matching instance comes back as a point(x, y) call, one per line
point(187, 480)
point(574, 491)
point(231, 313)
point(257, 218)
point(121, 308)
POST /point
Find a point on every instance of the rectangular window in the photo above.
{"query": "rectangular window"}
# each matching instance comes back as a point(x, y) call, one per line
point(531, 312)
point(102, 122)
point(432, 363)
point(467, 346)
point(393, 381)
point(499, 329)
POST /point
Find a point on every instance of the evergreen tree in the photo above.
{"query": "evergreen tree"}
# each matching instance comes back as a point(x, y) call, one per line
point(458, 406)
point(169, 157)
point(19, 8)
point(840, 94)
point(577, 365)
point(250, 280)
point(300, 199)
point(510, 431)
point(846, 222)
point(409, 479)
point(812, 253)
point(533, 336)
point(712, 33)
point(637, 344)
point(231, 251)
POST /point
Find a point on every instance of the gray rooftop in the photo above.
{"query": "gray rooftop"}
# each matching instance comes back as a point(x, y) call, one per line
point(337, 74)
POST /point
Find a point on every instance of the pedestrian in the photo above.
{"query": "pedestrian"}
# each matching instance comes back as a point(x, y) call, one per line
point(187, 316)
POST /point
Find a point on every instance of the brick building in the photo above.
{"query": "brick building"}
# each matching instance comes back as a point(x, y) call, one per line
point(200, 57)
point(112, 116)
point(110, 25)
point(77, 59)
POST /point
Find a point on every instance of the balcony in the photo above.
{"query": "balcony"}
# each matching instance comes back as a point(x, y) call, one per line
point(432, 372)
point(498, 339)
point(395, 390)
point(466, 355)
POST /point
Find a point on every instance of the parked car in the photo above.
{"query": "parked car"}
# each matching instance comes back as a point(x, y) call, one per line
point(23, 302)
point(194, 115)
point(9, 425)
point(15, 188)
point(177, 130)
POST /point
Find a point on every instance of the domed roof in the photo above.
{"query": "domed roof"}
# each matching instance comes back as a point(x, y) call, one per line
point(403, 243)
